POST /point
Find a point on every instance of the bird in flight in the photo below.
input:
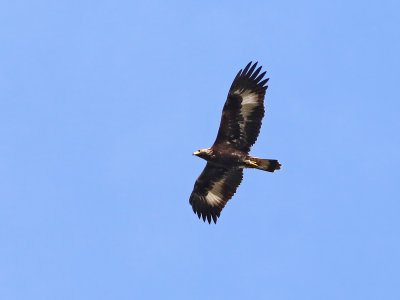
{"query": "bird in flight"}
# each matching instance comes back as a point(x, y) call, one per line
point(229, 155)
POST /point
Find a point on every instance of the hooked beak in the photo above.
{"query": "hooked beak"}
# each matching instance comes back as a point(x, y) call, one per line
point(196, 153)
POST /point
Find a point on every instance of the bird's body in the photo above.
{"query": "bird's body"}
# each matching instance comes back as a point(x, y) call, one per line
point(240, 125)
point(223, 157)
point(230, 158)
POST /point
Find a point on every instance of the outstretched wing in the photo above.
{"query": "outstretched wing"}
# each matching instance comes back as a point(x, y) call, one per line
point(213, 189)
point(243, 110)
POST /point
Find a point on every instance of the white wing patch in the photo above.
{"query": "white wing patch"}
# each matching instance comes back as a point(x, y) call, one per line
point(249, 98)
point(214, 196)
point(213, 199)
point(249, 102)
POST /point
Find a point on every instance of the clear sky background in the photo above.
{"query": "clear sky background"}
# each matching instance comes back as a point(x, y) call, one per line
point(103, 102)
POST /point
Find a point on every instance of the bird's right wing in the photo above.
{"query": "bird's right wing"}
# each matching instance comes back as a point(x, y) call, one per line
point(213, 189)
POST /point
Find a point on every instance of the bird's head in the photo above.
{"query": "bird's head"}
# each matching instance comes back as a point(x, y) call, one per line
point(203, 153)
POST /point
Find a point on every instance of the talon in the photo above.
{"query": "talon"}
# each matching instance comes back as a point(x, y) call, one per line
point(253, 164)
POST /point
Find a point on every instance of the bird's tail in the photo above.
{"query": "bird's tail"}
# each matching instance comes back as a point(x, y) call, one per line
point(269, 165)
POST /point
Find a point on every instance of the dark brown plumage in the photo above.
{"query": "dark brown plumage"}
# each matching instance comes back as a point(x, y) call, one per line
point(240, 126)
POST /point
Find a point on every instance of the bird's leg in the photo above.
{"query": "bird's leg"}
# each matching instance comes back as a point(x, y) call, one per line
point(251, 164)
point(254, 164)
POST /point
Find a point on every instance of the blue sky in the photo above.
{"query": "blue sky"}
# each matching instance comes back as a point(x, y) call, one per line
point(103, 102)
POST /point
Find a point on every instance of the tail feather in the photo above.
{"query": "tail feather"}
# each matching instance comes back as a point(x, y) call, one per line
point(269, 165)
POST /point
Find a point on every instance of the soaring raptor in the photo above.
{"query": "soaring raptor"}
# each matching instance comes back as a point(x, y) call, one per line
point(240, 125)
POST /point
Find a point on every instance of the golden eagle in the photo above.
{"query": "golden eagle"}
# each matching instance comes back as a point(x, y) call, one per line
point(240, 125)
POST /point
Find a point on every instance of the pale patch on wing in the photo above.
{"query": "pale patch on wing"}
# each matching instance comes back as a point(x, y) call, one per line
point(213, 199)
point(214, 196)
point(250, 100)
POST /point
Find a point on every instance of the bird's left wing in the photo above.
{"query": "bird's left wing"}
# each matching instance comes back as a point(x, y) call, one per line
point(213, 189)
point(243, 110)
